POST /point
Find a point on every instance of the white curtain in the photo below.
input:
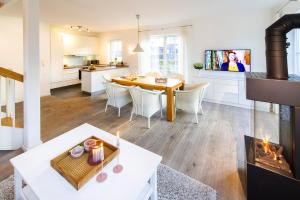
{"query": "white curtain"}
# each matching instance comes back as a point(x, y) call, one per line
point(183, 55)
point(144, 61)
point(144, 58)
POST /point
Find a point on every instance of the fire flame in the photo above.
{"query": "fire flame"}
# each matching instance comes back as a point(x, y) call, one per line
point(267, 149)
point(266, 144)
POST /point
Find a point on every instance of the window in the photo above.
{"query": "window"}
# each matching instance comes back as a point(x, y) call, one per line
point(164, 53)
point(116, 50)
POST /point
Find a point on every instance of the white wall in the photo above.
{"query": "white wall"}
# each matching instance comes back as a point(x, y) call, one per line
point(239, 29)
point(129, 40)
point(11, 51)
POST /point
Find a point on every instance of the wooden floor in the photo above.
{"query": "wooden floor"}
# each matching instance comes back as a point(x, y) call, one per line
point(209, 151)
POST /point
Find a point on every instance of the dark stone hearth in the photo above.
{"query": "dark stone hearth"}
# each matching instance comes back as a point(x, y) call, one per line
point(266, 180)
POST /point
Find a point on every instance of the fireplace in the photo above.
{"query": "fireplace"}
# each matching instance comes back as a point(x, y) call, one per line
point(273, 153)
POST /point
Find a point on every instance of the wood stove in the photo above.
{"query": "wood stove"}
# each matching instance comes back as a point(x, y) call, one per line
point(273, 154)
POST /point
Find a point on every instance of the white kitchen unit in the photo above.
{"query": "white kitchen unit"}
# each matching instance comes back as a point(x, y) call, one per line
point(80, 45)
point(67, 77)
point(225, 87)
point(66, 43)
point(92, 82)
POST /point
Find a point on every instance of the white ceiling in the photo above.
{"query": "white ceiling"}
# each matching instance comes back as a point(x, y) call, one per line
point(106, 15)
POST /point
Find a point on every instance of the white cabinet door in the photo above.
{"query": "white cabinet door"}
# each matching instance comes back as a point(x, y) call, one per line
point(80, 45)
point(242, 95)
point(57, 56)
point(71, 44)
point(71, 74)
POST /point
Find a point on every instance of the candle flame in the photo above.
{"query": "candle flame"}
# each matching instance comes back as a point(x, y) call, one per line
point(118, 134)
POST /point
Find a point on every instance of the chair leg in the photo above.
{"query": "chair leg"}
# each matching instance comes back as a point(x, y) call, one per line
point(201, 110)
point(131, 115)
point(106, 107)
point(148, 122)
point(196, 115)
point(119, 112)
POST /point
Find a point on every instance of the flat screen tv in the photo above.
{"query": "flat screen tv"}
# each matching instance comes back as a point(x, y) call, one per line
point(232, 60)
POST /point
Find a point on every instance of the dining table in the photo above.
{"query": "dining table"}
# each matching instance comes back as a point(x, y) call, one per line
point(150, 83)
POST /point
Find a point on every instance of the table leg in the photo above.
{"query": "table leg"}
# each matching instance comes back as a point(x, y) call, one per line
point(18, 184)
point(170, 105)
point(153, 184)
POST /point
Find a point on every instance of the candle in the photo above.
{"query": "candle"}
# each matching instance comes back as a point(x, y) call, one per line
point(101, 152)
point(118, 138)
point(96, 154)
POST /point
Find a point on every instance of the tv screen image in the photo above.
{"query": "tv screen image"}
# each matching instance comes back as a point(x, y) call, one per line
point(235, 60)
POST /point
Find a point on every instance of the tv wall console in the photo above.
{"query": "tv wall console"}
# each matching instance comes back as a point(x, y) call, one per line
point(225, 87)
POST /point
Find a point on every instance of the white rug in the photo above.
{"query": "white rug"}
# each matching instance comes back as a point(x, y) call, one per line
point(172, 185)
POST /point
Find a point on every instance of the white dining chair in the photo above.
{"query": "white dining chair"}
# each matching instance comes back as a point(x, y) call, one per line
point(117, 96)
point(107, 77)
point(145, 102)
point(190, 99)
point(177, 76)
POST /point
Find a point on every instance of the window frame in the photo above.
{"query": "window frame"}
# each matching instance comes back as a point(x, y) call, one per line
point(111, 57)
point(165, 60)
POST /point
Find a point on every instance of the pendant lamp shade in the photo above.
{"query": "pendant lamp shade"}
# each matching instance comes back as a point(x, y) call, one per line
point(138, 48)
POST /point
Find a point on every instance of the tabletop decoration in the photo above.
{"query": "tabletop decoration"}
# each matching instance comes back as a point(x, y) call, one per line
point(103, 175)
point(77, 151)
point(78, 171)
point(118, 168)
point(95, 154)
point(161, 80)
point(88, 144)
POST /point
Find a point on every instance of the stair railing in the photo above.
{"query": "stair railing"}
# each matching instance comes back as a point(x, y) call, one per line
point(10, 77)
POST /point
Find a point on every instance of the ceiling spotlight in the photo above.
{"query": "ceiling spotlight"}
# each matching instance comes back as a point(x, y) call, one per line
point(79, 28)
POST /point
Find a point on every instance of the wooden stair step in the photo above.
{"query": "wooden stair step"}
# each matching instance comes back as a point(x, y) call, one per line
point(8, 121)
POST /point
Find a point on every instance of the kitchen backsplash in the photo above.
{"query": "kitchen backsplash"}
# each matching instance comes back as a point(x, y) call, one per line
point(78, 60)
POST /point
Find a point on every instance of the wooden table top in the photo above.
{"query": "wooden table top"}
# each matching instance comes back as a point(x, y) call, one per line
point(149, 83)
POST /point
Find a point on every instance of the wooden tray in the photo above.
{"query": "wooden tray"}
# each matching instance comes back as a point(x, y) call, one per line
point(77, 171)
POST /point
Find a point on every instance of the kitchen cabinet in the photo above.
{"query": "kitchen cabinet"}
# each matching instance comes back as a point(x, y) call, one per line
point(224, 87)
point(69, 44)
point(92, 82)
point(80, 45)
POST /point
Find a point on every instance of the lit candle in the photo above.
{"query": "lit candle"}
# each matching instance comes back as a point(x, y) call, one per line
point(101, 152)
point(118, 138)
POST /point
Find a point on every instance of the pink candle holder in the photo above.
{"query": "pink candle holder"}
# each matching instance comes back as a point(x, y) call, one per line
point(103, 175)
point(95, 153)
point(118, 168)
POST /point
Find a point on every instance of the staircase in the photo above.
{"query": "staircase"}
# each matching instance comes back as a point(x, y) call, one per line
point(11, 133)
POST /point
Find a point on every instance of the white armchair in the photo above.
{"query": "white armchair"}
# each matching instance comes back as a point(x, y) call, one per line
point(107, 77)
point(190, 99)
point(117, 96)
point(177, 76)
point(145, 102)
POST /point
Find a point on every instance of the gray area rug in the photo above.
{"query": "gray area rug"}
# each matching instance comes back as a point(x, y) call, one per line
point(172, 185)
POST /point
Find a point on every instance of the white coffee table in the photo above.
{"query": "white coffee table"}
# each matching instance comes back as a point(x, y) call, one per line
point(138, 180)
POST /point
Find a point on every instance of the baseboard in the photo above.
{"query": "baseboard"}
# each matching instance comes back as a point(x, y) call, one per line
point(94, 93)
point(229, 104)
point(60, 84)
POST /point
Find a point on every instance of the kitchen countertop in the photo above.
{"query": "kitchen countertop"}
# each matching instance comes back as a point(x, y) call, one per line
point(103, 68)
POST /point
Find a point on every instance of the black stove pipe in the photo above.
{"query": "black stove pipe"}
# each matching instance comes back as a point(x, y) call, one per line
point(276, 53)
